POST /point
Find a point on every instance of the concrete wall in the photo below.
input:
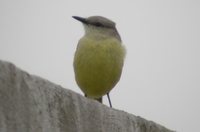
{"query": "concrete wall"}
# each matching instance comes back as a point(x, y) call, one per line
point(31, 104)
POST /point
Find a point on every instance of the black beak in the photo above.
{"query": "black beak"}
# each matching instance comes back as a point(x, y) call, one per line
point(81, 19)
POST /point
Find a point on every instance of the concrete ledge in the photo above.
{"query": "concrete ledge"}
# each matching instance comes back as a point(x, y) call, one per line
point(31, 104)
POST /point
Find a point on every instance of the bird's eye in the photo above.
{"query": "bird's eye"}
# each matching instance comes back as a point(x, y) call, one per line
point(98, 24)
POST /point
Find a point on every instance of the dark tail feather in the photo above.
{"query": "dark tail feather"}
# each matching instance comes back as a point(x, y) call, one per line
point(101, 99)
point(98, 99)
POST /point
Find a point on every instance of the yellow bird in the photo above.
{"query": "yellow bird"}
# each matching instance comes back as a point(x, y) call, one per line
point(99, 57)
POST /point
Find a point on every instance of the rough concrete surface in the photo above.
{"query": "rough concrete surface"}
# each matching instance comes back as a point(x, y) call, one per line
point(31, 104)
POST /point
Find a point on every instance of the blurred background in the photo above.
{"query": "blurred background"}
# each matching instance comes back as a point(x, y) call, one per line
point(161, 75)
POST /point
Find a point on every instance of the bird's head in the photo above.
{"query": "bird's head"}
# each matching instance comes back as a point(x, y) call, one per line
point(99, 26)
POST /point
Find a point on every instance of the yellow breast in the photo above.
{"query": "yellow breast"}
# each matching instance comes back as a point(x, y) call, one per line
point(98, 65)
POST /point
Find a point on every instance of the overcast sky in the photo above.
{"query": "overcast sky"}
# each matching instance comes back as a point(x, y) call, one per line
point(161, 75)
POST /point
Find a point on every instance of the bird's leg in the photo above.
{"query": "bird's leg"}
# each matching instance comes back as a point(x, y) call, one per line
point(109, 100)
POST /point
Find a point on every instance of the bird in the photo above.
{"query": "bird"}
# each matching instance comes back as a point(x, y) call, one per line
point(99, 57)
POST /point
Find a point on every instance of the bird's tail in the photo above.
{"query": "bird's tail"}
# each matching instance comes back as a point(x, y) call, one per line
point(98, 99)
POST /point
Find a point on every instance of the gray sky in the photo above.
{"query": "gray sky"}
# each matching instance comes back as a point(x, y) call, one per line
point(161, 76)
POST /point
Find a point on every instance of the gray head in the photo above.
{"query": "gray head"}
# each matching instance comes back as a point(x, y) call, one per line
point(99, 24)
